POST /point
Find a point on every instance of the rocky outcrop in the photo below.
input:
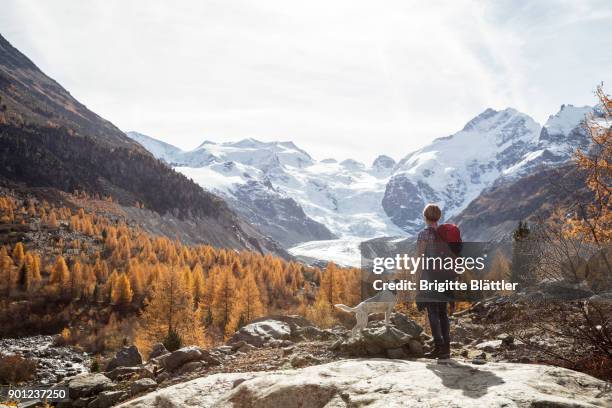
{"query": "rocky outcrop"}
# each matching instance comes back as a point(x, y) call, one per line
point(402, 339)
point(388, 383)
point(185, 355)
point(258, 333)
point(128, 356)
point(86, 385)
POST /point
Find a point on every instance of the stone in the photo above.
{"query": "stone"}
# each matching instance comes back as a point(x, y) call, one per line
point(405, 324)
point(181, 356)
point(245, 348)
point(302, 360)
point(85, 385)
point(107, 399)
point(190, 367)
point(162, 377)
point(288, 350)
point(158, 350)
point(120, 373)
point(236, 346)
point(142, 385)
point(126, 357)
point(260, 332)
point(387, 383)
point(506, 339)
point(490, 346)
point(416, 348)
point(396, 353)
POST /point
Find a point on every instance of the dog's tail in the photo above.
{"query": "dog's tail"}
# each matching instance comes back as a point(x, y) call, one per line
point(346, 308)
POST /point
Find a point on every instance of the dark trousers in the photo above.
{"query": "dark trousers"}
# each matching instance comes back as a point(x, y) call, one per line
point(439, 323)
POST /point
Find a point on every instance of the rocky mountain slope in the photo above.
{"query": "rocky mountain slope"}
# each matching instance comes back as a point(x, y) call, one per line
point(495, 213)
point(492, 148)
point(48, 139)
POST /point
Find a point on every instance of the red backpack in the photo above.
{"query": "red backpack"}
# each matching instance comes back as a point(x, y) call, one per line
point(451, 234)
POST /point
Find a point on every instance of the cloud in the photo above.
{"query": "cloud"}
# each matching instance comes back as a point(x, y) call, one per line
point(342, 78)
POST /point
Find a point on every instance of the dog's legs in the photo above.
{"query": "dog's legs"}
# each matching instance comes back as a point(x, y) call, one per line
point(362, 322)
point(387, 315)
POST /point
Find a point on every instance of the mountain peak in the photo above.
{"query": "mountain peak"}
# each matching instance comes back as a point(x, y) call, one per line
point(383, 162)
point(491, 118)
point(568, 117)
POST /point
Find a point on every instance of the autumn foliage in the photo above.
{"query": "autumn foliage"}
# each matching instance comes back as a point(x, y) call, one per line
point(107, 282)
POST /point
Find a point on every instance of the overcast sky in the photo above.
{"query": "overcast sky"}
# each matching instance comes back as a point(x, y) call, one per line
point(339, 78)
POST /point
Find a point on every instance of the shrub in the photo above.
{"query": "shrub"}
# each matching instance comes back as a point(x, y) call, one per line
point(95, 365)
point(173, 341)
point(15, 369)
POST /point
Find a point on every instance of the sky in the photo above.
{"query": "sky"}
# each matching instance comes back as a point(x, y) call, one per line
point(342, 78)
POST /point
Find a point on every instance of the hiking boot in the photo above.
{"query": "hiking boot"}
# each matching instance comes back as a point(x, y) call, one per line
point(444, 351)
point(435, 353)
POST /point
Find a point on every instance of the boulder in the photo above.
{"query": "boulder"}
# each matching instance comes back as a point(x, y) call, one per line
point(181, 356)
point(405, 324)
point(388, 383)
point(190, 367)
point(245, 348)
point(120, 373)
point(506, 339)
point(158, 350)
point(490, 346)
point(126, 357)
point(374, 341)
point(302, 360)
point(396, 353)
point(260, 332)
point(142, 385)
point(415, 348)
point(107, 399)
point(85, 385)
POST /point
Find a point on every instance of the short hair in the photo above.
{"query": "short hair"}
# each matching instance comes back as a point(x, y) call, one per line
point(432, 212)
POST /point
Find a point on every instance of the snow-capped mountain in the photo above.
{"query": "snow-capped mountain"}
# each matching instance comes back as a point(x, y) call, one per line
point(494, 146)
point(284, 192)
point(296, 199)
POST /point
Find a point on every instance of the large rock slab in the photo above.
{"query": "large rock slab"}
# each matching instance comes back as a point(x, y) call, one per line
point(260, 332)
point(85, 385)
point(182, 356)
point(388, 383)
point(375, 341)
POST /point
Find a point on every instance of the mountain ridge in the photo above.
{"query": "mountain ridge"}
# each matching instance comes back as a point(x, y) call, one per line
point(49, 139)
point(494, 147)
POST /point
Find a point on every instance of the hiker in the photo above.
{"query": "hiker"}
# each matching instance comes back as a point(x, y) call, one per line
point(437, 241)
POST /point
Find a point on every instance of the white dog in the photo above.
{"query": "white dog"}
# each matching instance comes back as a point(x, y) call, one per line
point(383, 302)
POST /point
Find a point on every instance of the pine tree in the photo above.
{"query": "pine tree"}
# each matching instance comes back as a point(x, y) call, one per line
point(25, 279)
point(18, 253)
point(198, 284)
point(522, 267)
point(6, 272)
point(224, 297)
point(170, 309)
point(248, 304)
point(60, 274)
point(121, 291)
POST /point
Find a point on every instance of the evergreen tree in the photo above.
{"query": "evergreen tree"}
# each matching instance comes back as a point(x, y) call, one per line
point(121, 292)
point(169, 310)
point(521, 271)
point(60, 274)
point(25, 279)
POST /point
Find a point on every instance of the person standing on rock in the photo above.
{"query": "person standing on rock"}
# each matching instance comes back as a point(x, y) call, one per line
point(436, 303)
